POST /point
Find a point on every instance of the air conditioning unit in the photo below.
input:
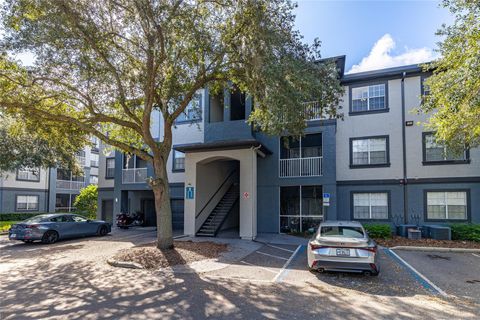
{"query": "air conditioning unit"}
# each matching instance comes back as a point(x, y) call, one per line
point(440, 233)
point(402, 230)
point(414, 234)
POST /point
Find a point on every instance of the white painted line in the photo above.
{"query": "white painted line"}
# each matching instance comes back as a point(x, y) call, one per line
point(476, 255)
point(280, 248)
point(286, 264)
point(440, 291)
point(253, 265)
point(271, 255)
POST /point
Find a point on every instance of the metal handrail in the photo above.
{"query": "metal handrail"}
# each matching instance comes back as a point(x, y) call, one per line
point(219, 188)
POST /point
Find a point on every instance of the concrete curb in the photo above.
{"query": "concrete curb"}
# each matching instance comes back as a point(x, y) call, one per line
point(436, 249)
point(124, 264)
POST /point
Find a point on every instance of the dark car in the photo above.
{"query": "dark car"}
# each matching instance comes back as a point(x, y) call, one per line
point(49, 228)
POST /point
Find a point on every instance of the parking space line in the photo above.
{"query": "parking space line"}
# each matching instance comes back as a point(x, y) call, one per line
point(424, 281)
point(254, 265)
point(271, 255)
point(476, 255)
point(280, 248)
point(283, 272)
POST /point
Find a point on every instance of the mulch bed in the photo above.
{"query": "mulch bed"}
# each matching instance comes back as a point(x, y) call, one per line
point(184, 252)
point(400, 241)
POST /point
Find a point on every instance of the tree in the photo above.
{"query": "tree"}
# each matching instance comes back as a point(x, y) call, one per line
point(108, 64)
point(455, 83)
point(86, 201)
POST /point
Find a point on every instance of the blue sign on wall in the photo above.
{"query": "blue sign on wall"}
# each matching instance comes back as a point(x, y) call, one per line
point(189, 192)
point(326, 195)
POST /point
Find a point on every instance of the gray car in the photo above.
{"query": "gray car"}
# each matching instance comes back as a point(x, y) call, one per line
point(49, 228)
point(342, 246)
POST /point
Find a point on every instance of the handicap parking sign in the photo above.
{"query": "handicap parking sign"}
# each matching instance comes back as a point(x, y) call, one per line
point(189, 192)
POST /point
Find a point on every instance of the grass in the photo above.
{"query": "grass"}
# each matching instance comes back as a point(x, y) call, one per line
point(5, 225)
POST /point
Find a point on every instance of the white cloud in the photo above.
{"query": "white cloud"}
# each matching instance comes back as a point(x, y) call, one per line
point(380, 56)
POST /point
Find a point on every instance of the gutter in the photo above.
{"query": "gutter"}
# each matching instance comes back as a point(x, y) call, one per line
point(404, 148)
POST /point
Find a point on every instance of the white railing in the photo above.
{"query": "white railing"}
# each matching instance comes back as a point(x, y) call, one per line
point(94, 163)
point(313, 111)
point(300, 167)
point(136, 175)
point(81, 160)
point(70, 185)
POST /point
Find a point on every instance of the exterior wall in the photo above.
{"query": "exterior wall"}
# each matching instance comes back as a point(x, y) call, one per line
point(8, 199)
point(269, 182)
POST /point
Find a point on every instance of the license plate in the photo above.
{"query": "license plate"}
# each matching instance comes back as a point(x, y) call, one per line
point(13, 235)
point(343, 252)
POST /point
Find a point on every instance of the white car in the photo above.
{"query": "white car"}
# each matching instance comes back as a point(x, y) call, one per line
point(342, 246)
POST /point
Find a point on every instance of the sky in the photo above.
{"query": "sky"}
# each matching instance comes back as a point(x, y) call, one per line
point(373, 34)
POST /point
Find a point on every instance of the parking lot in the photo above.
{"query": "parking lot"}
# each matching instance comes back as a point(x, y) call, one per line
point(71, 279)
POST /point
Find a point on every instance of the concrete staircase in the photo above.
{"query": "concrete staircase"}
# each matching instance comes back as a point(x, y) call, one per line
point(218, 215)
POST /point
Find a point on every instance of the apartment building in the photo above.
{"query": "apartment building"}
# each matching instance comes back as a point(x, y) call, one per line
point(378, 164)
point(48, 190)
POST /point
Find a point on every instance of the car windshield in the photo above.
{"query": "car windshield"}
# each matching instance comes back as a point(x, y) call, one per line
point(36, 219)
point(341, 231)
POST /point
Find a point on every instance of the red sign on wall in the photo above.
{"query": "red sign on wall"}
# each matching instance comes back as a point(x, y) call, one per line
point(246, 195)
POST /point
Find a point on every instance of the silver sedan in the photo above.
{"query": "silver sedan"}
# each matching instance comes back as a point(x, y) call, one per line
point(342, 246)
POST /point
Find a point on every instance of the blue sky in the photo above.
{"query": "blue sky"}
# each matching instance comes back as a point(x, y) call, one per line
point(404, 31)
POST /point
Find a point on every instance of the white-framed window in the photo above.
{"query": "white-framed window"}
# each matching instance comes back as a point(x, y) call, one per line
point(28, 174)
point(178, 161)
point(94, 160)
point(446, 205)
point(110, 168)
point(301, 208)
point(27, 203)
point(369, 98)
point(436, 151)
point(370, 205)
point(425, 87)
point(93, 179)
point(369, 151)
point(193, 110)
point(95, 144)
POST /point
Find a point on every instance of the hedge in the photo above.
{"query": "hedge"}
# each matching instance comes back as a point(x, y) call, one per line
point(19, 216)
point(466, 231)
point(379, 230)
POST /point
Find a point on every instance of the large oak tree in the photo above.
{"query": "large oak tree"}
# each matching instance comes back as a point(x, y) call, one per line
point(103, 67)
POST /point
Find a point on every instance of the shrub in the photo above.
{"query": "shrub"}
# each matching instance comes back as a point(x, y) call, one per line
point(86, 201)
point(466, 231)
point(378, 230)
point(18, 216)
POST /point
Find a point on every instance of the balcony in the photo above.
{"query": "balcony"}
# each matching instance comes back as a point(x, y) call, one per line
point(135, 175)
point(300, 167)
point(70, 185)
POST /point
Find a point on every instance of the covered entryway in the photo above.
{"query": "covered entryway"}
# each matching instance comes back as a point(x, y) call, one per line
point(107, 210)
point(221, 176)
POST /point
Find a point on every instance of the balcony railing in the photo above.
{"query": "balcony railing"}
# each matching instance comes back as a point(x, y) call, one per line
point(70, 185)
point(300, 167)
point(313, 111)
point(81, 160)
point(136, 175)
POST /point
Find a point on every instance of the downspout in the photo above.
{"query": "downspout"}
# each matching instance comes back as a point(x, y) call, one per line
point(48, 190)
point(254, 232)
point(404, 146)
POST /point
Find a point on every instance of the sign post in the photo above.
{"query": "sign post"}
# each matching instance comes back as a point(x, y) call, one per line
point(326, 203)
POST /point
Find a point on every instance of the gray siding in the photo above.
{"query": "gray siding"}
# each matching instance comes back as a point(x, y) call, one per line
point(8, 198)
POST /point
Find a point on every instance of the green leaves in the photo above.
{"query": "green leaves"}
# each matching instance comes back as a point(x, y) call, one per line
point(86, 201)
point(455, 83)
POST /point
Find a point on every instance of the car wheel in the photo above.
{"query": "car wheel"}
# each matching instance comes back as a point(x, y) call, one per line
point(50, 237)
point(102, 231)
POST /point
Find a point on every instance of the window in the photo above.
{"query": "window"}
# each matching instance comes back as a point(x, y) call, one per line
point(110, 168)
point(64, 202)
point(435, 151)
point(27, 203)
point(447, 205)
point(373, 205)
point(371, 151)
point(193, 111)
point(342, 232)
point(95, 144)
point(28, 174)
point(425, 87)
point(368, 98)
point(178, 161)
point(237, 105)
point(94, 160)
point(300, 208)
point(93, 179)
point(309, 146)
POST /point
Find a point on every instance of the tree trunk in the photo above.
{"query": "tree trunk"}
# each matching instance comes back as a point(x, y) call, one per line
point(163, 210)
